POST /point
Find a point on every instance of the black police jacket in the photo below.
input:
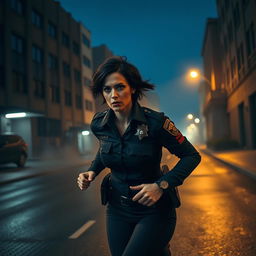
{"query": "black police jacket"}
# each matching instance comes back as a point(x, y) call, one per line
point(135, 157)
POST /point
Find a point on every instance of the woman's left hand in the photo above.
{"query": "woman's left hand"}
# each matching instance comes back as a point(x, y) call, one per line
point(148, 195)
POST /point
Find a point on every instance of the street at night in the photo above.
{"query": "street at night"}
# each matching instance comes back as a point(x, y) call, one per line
point(41, 215)
point(161, 95)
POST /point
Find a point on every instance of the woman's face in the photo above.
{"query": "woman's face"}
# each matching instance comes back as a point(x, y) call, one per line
point(117, 92)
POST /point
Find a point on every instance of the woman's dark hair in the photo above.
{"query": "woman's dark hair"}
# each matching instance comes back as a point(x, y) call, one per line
point(130, 72)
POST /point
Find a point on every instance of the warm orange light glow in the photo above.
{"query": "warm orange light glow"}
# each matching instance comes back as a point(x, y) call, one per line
point(194, 74)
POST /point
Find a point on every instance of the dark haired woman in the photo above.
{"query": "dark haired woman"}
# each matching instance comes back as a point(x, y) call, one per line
point(141, 216)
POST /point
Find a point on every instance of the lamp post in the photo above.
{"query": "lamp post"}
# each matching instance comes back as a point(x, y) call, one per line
point(195, 74)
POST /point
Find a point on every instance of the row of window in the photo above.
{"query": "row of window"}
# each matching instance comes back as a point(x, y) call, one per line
point(236, 10)
point(20, 86)
point(37, 20)
point(250, 41)
point(37, 56)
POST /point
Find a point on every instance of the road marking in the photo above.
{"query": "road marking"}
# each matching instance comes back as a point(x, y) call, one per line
point(81, 230)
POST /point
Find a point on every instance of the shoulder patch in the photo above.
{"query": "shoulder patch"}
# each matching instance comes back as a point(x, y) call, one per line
point(170, 127)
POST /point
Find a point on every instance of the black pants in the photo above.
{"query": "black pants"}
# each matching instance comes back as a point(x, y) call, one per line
point(139, 231)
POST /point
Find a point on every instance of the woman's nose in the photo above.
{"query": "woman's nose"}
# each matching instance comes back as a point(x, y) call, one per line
point(114, 93)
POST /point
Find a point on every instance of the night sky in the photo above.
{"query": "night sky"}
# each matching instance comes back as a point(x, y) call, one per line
point(163, 38)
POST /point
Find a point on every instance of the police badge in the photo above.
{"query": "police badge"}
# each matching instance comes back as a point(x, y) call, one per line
point(142, 131)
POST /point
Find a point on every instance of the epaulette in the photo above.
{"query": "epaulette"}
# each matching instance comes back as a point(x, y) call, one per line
point(99, 114)
point(152, 113)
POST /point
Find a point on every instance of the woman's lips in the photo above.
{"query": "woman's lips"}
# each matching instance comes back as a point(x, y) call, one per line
point(116, 104)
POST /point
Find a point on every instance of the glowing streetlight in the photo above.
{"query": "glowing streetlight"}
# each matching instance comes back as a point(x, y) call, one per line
point(197, 120)
point(85, 133)
point(190, 116)
point(194, 74)
point(16, 115)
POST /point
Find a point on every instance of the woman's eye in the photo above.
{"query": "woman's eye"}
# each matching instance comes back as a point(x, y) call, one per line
point(120, 87)
point(106, 89)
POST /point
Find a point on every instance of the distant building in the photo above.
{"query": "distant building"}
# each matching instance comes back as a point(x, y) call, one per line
point(45, 68)
point(100, 54)
point(213, 94)
point(229, 53)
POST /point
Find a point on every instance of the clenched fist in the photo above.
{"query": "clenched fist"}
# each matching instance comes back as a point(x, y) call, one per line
point(84, 179)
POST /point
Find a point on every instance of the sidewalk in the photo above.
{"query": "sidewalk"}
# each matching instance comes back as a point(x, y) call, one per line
point(243, 161)
point(38, 167)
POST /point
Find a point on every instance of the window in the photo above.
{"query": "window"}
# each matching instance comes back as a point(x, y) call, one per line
point(88, 105)
point(1, 45)
point(78, 102)
point(230, 32)
point(55, 94)
point(86, 40)
point(250, 39)
point(236, 15)
point(228, 76)
point(86, 61)
point(37, 19)
point(68, 98)
point(225, 43)
point(226, 5)
point(240, 56)
point(37, 55)
point(66, 69)
point(17, 44)
point(76, 48)
point(223, 14)
point(65, 39)
point(77, 75)
point(245, 3)
point(233, 66)
point(19, 82)
point(52, 30)
point(52, 62)
point(39, 90)
point(87, 81)
point(18, 6)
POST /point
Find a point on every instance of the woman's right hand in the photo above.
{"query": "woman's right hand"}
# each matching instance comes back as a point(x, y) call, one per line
point(84, 179)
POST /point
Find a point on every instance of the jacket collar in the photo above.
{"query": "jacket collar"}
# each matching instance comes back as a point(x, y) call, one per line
point(137, 115)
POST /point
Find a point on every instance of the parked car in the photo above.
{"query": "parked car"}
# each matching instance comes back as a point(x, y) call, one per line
point(13, 149)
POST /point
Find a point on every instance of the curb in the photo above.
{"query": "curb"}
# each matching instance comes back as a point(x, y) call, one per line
point(237, 168)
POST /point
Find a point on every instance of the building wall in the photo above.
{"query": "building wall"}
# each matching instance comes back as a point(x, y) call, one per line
point(238, 37)
point(100, 54)
point(43, 70)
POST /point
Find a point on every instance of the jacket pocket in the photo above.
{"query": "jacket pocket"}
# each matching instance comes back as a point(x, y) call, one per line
point(105, 147)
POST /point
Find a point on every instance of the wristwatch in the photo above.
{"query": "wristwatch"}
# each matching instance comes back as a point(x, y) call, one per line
point(163, 184)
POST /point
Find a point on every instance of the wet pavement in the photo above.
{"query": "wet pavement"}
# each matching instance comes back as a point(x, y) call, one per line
point(39, 214)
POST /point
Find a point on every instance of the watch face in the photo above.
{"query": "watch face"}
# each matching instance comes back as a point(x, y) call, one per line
point(164, 184)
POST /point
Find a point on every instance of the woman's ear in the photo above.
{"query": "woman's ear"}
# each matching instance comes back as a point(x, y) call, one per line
point(133, 90)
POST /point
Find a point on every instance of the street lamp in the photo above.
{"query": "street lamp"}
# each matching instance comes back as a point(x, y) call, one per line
point(197, 120)
point(195, 75)
point(190, 116)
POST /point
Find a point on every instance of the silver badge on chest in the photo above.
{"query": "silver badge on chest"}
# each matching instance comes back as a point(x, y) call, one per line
point(142, 131)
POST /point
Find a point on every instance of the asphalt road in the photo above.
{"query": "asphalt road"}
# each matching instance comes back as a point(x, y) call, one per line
point(44, 215)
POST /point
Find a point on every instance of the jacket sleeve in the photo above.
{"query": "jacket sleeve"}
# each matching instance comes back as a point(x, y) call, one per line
point(97, 165)
point(172, 139)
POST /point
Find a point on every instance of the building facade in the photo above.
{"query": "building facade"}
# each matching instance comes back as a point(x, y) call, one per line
point(100, 54)
point(42, 74)
point(233, 86)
